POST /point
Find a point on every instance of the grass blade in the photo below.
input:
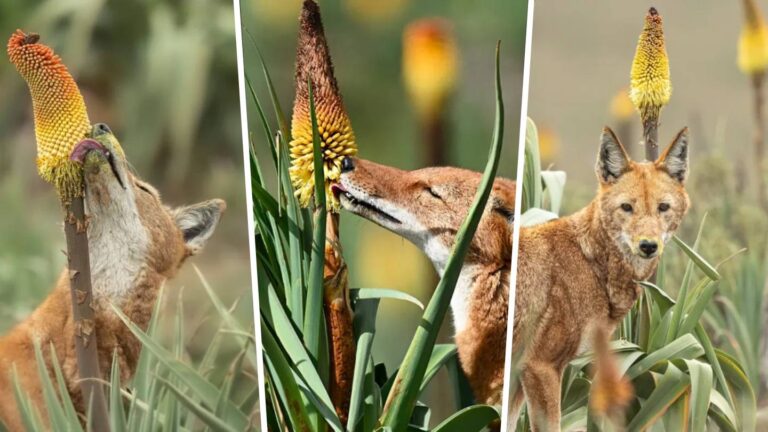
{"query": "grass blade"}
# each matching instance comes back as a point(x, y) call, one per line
point(473, 418)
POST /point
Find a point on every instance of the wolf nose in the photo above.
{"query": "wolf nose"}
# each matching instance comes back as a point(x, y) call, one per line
point(347, 164)
point(648, 247)
point(101, 129)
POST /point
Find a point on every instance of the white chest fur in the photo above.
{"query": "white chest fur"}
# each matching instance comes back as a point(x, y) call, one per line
point(118, 243)
point(462, 298)
point(462, 294)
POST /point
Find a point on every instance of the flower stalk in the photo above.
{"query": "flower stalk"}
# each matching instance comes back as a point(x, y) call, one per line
point(650, 86)
point(753, 61)
point(430, 73)
point(337, 141)
point(61, 121)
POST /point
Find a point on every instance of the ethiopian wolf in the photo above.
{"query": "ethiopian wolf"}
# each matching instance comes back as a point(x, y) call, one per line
point(136, 243)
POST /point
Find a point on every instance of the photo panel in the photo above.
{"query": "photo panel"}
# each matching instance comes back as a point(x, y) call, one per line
point(125, 270)
point(384, 145)
point(640, 271)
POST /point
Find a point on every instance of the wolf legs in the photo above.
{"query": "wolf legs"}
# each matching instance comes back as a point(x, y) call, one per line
point(541, 383)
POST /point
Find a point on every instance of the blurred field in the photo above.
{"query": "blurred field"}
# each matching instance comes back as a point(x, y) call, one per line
point(163, 75)
point(365, 39)
point(580, 64)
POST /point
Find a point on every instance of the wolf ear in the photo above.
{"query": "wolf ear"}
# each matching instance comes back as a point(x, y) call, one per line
point(674, 160)
point(503, 199)
point(198, 221)
point(612, 159)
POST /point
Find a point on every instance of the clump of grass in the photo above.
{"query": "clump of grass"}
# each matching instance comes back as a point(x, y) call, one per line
point(168, 391)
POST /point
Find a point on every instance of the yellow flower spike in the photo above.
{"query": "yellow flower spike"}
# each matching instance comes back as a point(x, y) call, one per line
point(313, 62)
point(61, 119)
point(650, 87)
point(753, 42)
point(430, 63)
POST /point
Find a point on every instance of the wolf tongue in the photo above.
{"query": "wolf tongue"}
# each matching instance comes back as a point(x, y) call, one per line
point(83, 147)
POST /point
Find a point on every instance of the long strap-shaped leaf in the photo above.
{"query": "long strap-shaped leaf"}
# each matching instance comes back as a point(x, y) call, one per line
point(402, 397)
point(313, 314)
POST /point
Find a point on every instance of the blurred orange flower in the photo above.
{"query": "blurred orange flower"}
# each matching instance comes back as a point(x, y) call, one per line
point(430, 64)
point(753, 42)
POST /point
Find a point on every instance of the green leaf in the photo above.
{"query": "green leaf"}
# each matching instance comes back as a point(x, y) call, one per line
point(402, 397)
point(555, 183)
point(365, 326)
point(314, 324)
point(116, 413)
point(700, 262)
point(203, 389)
point(29, 416)
point(532, 189)
point(684, 347)
point(701, 388)
point(473, 418)
point(441, 354)
point(56, 414)
point(383, 293)
point(672, 384)
point(69, 407)
point(296, 351)
point(283, 376)
point(209, 418)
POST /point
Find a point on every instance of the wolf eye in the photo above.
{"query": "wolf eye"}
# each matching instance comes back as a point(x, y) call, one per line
point(663, 207)
point(627, 207)
point(433, 193)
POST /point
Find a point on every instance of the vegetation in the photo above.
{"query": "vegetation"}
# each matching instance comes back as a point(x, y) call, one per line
point(218, 391)
point(288, 245)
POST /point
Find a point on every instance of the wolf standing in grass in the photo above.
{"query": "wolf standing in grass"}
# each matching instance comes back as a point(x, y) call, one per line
point(577, 276)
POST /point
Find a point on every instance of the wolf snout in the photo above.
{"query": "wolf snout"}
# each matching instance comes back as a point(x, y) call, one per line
point(347, 164)
point(648, 248)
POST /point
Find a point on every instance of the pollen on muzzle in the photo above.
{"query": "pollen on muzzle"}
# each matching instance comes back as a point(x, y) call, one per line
point(61, 119)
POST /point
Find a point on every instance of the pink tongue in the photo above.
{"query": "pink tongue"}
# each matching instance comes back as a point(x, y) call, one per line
point(83, 147)
point(337, 189)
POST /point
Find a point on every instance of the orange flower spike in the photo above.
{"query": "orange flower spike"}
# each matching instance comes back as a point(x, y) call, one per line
point(313, 63)
point(61, 119)
point(430, 64)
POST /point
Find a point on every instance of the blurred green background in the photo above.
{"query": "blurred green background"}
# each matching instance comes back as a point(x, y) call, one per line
point(163, 75)
point(365, 40)
point(579, 81)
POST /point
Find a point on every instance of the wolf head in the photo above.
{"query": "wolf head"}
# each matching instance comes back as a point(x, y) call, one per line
point(132, 235)
point(641, 204)
point(427, 207)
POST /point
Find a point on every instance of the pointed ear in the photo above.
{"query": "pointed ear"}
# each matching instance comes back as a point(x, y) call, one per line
point(502, 200)
point(612, 159)
point(198, 221)
point(674, 160)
